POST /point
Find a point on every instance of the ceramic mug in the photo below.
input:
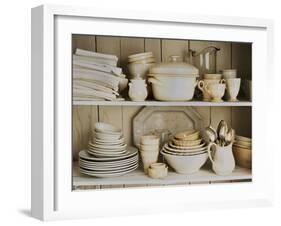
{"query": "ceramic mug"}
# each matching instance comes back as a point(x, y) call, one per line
point(232, 88)
point(202, 86)
point(216, 91)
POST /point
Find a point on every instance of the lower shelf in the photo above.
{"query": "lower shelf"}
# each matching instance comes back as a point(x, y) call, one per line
point(138, 177)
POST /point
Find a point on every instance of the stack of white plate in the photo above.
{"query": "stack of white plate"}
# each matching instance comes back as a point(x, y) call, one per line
point(242, 150)
point(107, 154)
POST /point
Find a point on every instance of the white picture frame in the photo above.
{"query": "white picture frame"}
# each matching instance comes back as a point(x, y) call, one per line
point(52, 196)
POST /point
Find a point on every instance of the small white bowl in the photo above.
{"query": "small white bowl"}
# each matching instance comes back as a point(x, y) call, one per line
point(139, 55)
point(150, 140)
point(107, 128)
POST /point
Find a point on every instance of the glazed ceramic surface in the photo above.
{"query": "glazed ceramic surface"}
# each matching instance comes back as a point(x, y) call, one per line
point(232, 88)
point(202, 84)
point(137, 90)
point(222, 158)
point(185, 164)
point(176, 88)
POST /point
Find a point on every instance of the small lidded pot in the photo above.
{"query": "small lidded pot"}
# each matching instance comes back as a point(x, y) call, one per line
point(137, 90)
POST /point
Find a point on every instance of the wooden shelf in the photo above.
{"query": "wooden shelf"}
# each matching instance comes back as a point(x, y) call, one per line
point(162, 103)
point(137, 177)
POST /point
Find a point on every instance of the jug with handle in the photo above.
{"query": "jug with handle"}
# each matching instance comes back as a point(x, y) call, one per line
point(222, 159)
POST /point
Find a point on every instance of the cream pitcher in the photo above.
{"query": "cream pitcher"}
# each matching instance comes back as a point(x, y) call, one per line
point(222, 158)
point(137, 90)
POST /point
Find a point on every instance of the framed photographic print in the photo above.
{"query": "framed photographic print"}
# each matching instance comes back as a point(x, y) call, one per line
point(137, 113)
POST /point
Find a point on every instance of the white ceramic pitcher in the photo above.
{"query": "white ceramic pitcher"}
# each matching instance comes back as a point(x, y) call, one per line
point(222, 159)
point(137, 90)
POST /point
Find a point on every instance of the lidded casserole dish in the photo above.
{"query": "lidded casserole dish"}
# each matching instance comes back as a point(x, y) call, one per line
point(174, 80)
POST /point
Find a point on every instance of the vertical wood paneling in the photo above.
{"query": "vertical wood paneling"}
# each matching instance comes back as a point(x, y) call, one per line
point(205, 113)
point(153, 45)
point(130, 46)
point(109, 45)
point(83, 116)
point(220, 113)
point(174, 47)
point(128, 116)
point(81, 128)
point(242, 59)
point(242, 120)
point(86, 42)
point(112, 115)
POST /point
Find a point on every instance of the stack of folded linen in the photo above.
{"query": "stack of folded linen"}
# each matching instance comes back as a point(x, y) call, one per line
point(96, 76)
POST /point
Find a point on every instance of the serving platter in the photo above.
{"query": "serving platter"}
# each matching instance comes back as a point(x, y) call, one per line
point(150, 120)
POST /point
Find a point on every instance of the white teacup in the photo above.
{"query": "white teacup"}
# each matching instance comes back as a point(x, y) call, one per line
point(232, 88)
point(203, 83)
point(216, 91)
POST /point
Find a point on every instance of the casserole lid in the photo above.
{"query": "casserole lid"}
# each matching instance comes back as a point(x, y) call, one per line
point(174, 67)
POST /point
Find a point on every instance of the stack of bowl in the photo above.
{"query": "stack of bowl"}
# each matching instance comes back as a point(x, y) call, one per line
point(149, 150)
point(186, 153)
point(107, 154)
point(212, 86)
point(242, 151)
point(139, 64)
point(232, 84)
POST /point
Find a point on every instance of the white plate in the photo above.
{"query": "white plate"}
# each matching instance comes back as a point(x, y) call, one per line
point(107, 128)
point(85, 155)
point(104, 169)
point(105, 175)
point(112, 163)
point(107, 155)
point(184, 150)
point(187, 147)
point(106, 142)
point(104, 146)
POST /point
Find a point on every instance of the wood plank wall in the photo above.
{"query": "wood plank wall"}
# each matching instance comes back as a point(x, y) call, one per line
point(231, 55)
